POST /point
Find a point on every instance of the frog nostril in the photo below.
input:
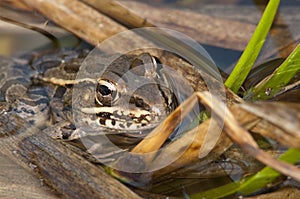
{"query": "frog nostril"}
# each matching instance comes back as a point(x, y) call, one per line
point(139, 103)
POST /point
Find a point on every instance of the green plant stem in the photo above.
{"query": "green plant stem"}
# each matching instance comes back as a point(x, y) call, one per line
point(280, 78)
point(246, 61)
point(250, 184)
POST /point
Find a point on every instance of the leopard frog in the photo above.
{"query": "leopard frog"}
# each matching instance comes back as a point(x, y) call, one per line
point(126, 99)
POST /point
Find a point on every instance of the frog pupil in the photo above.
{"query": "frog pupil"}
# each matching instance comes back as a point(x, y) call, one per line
point(104, 90)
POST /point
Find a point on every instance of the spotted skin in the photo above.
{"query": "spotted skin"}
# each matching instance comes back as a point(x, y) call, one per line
point(124, 98)
point(40, 90)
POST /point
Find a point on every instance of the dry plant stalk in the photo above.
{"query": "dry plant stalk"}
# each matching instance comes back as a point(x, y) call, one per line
point(77, 18)
point(205, 29)
point(232, 128)
point(119, 13)
point(277, 120)
point(90, 25)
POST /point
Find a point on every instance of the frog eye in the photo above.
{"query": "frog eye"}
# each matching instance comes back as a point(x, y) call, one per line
point(106, 92)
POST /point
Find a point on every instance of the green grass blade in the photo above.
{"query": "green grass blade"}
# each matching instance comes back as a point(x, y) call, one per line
point(246, 61)
point(280, 78)
point(253, 183)
point(267, 174)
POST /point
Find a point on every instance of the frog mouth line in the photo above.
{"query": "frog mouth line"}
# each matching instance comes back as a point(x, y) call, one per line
point(120, 119)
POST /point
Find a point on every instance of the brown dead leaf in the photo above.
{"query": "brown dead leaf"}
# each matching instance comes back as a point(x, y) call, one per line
point(279, 121)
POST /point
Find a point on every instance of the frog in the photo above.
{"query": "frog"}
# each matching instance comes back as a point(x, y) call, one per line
point(124, 101)
point(92, 105)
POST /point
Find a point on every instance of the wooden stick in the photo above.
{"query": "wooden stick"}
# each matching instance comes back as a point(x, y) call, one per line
point(119, 13)
point(78, 18)
point(205, 29)
point(66, 172)
point(93, 27)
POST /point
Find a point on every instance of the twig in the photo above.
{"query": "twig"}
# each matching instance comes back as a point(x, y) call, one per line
point(78, 18)
point(119, 13)
point(205, 29)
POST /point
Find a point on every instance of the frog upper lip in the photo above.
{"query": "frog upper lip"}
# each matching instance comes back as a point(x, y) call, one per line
point(95, 110)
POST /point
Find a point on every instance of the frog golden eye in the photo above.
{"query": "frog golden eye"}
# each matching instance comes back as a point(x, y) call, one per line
point(106, 92)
